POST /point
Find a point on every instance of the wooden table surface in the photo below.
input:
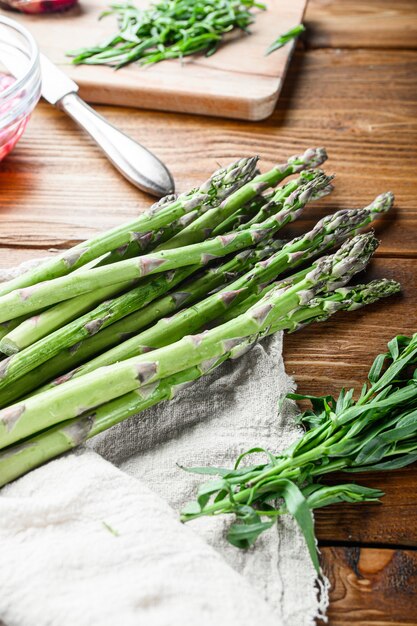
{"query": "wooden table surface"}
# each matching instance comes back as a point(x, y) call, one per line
point(351, 87)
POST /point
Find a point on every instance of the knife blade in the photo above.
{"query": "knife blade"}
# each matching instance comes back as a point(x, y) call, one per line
point(55, 83)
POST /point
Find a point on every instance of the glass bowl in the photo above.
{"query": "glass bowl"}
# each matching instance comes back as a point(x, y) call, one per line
point(20, 90)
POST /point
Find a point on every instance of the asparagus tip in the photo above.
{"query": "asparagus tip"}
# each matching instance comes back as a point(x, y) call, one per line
point(383, 202)
point(361, 295)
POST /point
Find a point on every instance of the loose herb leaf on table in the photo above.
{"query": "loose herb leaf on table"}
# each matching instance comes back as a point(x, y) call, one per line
point(285, 38)
point(378, 431)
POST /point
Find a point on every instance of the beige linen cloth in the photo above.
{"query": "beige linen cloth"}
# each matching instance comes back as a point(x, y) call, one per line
point(93, 538)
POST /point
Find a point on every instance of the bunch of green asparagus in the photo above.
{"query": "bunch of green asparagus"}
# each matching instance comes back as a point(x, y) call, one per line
point(120, 322)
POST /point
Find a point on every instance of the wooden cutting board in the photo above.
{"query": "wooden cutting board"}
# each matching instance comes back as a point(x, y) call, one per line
point(238, 81)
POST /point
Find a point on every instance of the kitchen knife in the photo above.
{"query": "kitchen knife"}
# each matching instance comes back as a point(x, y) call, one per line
point(136, 163)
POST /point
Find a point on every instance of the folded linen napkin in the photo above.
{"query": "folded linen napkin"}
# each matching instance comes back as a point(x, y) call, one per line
point(82, 542)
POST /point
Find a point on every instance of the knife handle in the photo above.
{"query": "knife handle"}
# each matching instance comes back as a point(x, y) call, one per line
point(136, 163)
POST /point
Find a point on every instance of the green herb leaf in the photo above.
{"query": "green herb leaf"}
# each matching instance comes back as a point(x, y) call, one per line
point(244, 535)
point(285, 38)
point(298, 506)
point(323, 495)
point(272, 459)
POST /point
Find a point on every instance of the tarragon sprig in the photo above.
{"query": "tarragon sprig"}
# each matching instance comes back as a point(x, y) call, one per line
point(378, 431)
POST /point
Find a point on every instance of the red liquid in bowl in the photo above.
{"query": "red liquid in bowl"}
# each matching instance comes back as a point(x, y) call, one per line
point(38, 6)
point(10, 134)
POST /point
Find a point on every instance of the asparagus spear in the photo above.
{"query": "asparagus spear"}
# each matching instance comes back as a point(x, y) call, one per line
point(21, 363)
point(350, 298)
point(21, 335)
point(82, 394)
point(222, 183)
point(187, 293)
point(347, 299)
point(325, 234)
point(263, 206)
point(21, 458)
point(241, 216)
point(24, 301)
point(167, 331)
point(7, 327)
point(104, 315)
point(202, 226)
point(328, 232)
point(276, 198)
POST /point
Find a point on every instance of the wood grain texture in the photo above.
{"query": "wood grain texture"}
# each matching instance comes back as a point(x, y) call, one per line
point(357, 24)
point(239, 81)
point(339, 352)
point(11, 257)
point(371, 587)
point(390, 523)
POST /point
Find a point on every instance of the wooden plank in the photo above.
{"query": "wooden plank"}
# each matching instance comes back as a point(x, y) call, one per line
point(11, 257)
point(338, 353)
point(239, 81)
point(57, 189)
point(358, 24)
point(340, 97)
point(371, 587)
point(386, 524)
